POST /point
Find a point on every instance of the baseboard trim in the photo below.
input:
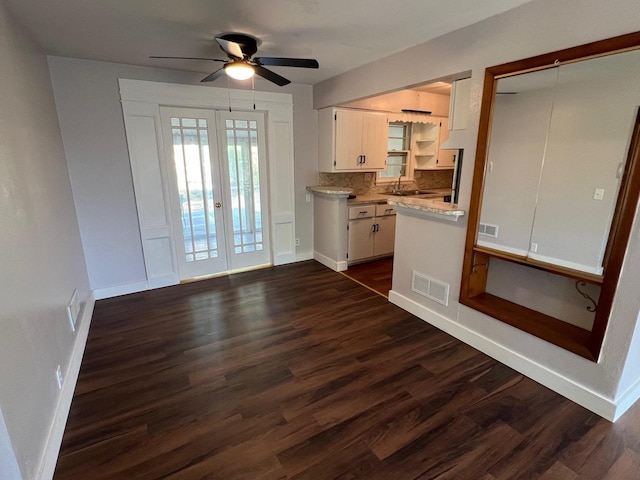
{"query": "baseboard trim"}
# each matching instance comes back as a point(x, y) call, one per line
point(56, 431)
point(627, 399)
point(304, 256)
point(566, 387)
point(329, 262)
point(109, 292)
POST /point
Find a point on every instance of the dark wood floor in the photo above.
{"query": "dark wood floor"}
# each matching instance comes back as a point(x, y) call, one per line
point(297, 372)
point(376, 275)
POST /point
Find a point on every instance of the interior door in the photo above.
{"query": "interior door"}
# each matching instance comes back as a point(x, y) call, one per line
point(195, 188)
point(244, 169)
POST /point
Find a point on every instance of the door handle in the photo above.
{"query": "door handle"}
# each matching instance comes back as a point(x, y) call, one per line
point(218, 204)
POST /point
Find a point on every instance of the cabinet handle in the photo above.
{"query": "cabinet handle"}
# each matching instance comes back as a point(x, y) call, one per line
point(364, 159)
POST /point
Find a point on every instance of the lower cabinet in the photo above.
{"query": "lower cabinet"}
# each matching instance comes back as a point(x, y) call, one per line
point(372, 230)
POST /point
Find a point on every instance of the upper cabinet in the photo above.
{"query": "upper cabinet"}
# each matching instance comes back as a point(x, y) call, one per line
point(351, 140)
point(459, 104)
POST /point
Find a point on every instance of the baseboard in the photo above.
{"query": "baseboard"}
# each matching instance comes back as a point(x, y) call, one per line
point(101, 293)
point(627, 399)
point(54, 439)
point(329, 262)
point(566, 387)
point(303, 256)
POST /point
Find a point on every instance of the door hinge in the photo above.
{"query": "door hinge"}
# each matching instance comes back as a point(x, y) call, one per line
point(335, 116)
point(347, 227)
point(334, 163)
point(347, 255)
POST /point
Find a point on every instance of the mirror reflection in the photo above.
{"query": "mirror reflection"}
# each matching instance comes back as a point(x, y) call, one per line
point(558, 142)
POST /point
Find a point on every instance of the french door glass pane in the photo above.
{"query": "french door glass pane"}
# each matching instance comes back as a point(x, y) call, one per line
point(193, 172)
point(244, 179)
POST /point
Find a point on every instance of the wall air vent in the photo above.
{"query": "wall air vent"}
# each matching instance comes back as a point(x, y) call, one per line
point(488, 230)
point(430, 288)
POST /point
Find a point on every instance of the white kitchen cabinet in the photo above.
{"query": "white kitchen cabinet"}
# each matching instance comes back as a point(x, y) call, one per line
point(446, 158)
point(351, 140)
point(372, 231)
point(459, 104)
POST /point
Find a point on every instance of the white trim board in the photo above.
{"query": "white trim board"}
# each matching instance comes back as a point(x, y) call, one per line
point(303, 256)
point(56, 431)
point(117, 290)
point(330, 263)
point(575, 392)
point(627, 399)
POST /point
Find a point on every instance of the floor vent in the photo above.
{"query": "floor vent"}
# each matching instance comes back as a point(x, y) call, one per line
point(73, 309)
point(430, 288)
point(488, 230)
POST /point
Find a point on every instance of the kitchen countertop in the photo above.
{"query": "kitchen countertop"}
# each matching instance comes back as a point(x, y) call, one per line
point(429, 208)
point(330, 190)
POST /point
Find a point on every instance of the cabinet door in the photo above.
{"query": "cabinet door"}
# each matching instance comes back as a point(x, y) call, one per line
point(459, 104)
point(446, 158)
point(361, 239)
point(385, 236)
point(374, 141)
point(348, 131)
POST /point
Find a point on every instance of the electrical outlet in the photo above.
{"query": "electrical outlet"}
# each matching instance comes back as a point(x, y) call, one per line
point(534, 247)
point(598, 194)
point(297, 242)
point(59, 377)
point(307, 197)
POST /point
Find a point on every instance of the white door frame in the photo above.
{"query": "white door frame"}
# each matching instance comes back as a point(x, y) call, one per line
point(141, 101)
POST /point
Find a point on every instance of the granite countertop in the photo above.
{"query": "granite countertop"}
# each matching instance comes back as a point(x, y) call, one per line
point(330, 190)
point(432, 208)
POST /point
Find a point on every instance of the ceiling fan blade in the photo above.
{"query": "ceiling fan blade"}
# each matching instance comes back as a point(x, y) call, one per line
point(287, 62)
point(232, 49)
point(190, 58)
point(214, 76)
point(271, 76)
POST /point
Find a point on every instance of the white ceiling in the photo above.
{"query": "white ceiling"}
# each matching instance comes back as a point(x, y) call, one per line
point(340, 34)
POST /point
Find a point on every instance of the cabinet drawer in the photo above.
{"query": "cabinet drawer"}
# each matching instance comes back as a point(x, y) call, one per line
point(362, 211)
point(385, 209)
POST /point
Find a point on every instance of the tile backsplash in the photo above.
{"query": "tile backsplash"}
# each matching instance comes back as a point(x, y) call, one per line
point(424, 179)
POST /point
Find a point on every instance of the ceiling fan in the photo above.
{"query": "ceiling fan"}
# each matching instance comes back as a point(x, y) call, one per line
point(240, 49)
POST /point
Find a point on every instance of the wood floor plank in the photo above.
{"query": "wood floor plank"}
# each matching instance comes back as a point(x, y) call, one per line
point(299, 372)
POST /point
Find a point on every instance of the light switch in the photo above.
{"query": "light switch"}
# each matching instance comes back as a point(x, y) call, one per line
point(598, 194)
point(308, 198)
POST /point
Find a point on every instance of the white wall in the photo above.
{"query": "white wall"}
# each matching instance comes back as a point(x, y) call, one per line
point(40, 250)
point(534, 28)
point(88, 103)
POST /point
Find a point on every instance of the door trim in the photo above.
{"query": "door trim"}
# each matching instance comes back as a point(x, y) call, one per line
point(143, 99)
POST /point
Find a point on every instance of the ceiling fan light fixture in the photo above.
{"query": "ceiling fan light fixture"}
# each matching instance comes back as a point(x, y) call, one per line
point(239, 70)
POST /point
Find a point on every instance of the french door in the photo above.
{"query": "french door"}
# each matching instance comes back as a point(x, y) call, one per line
point(217, 182)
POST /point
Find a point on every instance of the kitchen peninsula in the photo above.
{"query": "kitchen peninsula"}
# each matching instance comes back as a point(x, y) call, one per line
point(350, 230)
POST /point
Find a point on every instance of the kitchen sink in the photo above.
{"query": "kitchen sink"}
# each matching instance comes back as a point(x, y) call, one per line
point(413, 193)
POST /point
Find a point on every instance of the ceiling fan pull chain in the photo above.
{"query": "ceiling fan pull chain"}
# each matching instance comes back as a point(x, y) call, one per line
point(229, 92)
point(253, 87)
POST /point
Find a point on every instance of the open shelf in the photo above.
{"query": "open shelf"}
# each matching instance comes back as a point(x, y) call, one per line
point(562, 334)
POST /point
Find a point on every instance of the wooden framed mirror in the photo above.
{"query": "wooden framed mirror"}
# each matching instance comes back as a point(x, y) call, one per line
point(555, 191)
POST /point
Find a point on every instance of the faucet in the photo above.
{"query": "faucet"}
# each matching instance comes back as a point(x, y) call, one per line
point(398, 188)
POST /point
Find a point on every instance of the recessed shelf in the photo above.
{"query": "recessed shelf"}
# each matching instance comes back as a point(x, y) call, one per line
point(563, 334)
point(425, 154)
point(431, 140)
